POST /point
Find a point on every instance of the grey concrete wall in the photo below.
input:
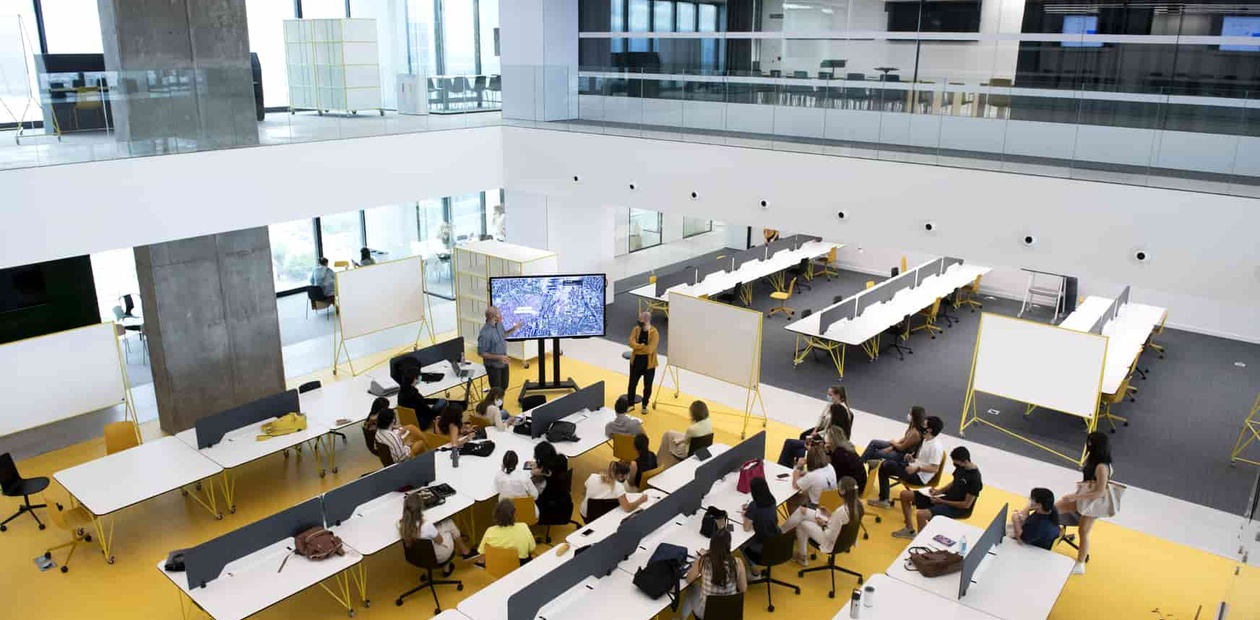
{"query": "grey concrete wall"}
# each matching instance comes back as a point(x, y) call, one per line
point(211, 320)
point(184, 80)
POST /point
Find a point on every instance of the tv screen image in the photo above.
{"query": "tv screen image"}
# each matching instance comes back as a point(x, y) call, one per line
point(1079, 25)
point(557, 306)
point(1240, 26)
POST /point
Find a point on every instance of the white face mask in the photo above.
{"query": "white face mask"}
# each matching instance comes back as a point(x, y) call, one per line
point(909, 418)
point(498, 403)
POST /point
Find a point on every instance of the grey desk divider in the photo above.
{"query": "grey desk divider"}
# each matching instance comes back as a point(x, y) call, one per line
point(1122, 300)
point(449, 350)
point(204, 563)
point(950, 262)
point(340, 502)
point(751, 254)
point(873, 296)
point(899, 283)
point(993, 535)
point(722, 464)
point(844, 310)
point(712, 266)
point(212, 428)
point(803, 239)
point(1106, 317)
point(590, 397)
point(686, 275)
point(774, 247)
point(934, 268)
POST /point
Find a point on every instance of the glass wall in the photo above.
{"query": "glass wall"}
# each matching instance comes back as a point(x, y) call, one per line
point(114, 274)
point(695, 226)
point(342, 237)
point(322, 9)
point(266, 38)
point(645, 229)
point(292, 253)
point(72, 26)
point(18, 36)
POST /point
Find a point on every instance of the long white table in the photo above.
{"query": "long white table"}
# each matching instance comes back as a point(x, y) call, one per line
point(607, 525)
point(1126, 334)
point(897, 600)
point(491, 602)
point(866, 329)
point(683, 472)
point(1016, 582)
point(749, 272)
point(114, 482)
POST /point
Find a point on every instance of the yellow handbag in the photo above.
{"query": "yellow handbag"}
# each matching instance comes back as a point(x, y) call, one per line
point(283, 425)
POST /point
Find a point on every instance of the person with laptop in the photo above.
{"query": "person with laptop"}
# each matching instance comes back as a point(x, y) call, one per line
point(923, 466)
point(954, 501)
point(623, 424)
point(427, 409)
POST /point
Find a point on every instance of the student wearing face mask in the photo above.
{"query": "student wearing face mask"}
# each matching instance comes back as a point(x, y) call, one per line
point(643, 341)
point(836, 413)
point(491, 410)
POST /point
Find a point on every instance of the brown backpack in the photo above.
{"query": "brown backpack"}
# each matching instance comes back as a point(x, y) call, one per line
point(318, 543)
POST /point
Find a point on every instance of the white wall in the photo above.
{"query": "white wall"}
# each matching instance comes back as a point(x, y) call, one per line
point(539, 40)
point(1203, 261)
point(147, 200)
point(582, 234)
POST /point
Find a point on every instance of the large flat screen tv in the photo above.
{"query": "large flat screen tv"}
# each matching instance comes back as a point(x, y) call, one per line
point(557, 306)
point(1240, 26)
point(1079, 25)
point(949, 16)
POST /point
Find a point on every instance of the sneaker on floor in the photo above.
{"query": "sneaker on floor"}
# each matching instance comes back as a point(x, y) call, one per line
point(645, 407)
point(803, 560)
point(904, 532)
point(879, 503)
point(1078, 569)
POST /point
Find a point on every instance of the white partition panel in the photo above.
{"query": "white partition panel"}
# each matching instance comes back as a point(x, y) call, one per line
point(1039, 364)
point(58, 376)
point(381, 296)
point(714, 339)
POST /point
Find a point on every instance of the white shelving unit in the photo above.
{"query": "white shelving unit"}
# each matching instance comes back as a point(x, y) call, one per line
point(475, 263)
point(333, 65)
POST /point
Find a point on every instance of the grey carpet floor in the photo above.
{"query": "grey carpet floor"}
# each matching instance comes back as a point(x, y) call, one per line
point(1183, 424)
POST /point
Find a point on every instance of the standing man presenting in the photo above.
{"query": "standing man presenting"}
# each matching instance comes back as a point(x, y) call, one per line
point(492, 347)
point(643, 341)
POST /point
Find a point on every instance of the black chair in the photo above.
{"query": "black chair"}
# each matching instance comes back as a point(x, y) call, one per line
point(379, 449)
point(1067, 520)
point(837, 299)
point(596, 508)
point(556, 509)
point(12, 484)
point(421, 554)
point(799, 272)
point(311, 386)
point(724, 606)
point(318, 301)
point(774, 551)
point(844, 543)
point(129, 305)
point(696, 443)
point(896, 332)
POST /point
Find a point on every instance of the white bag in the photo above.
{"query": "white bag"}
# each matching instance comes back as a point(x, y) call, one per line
point(1104, 506)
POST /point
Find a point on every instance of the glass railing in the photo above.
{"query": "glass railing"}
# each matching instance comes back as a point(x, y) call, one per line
point(81, 117)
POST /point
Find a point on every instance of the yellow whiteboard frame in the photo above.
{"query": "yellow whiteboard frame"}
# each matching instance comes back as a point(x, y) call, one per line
point(340, 342)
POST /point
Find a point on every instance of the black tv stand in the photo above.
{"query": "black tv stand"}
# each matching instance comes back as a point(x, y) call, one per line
point(542, 385)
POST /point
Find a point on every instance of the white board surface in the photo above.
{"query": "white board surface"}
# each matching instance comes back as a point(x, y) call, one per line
point(380, 296)
point(714, 339)
point(59, 376)
point(1040, 364)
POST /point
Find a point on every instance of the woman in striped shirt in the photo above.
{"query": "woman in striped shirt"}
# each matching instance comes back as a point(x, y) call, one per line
point(403, 442)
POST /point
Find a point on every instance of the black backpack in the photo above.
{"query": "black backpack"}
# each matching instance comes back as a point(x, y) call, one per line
point(663, 571)
point(480, 448)
point(562, 431)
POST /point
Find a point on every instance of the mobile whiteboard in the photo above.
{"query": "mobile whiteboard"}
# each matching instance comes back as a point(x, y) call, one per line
point(381, 296)
point(1039, 364)
point(714, 339)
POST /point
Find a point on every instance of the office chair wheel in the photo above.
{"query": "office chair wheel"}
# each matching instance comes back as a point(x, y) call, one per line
point(459, 587)
point(322, 473)
point(47, 555)
point(218, 516)
point(87, 538)
point(879, 519)
point(232, 510)
point(183, 492)
point(42, 526)
point(398, 602)
point(367, 603)
point(334, 470)
point(4, 528)
point(866, 536)
point(65, 569)
point(437, 610)
point(769, 609)
point(351, 613)
point(286, 454)
point(109, 560)
point(831, 594)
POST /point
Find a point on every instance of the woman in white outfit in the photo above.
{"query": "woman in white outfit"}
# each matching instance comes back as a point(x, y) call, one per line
point(444, 534)
point(512, 482)
point(824, 528)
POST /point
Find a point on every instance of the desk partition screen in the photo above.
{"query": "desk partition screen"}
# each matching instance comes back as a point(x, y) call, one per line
point(992, 536)
point(870, 297)
point(753, 448)
point(934, 268)
point(712, 266)
point(340, 502)
point(541, 418)
point(782, 245)
point(844, 310)
point(203, 563)
point(950, 262)
point(1122, 300)
point(750, 255)
point(686, 275)
point(450, 350)
point(212, 428)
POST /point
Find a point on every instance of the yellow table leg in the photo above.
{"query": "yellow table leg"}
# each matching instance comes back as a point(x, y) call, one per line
point(342, 595)
point(838, 359)
point(105, 536)
point(229, 491)
point(210, 503)
point(359, 574)
point(800, 357)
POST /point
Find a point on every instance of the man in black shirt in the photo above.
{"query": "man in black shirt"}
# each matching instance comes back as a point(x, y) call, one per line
point(954, 501)
point(408, 396)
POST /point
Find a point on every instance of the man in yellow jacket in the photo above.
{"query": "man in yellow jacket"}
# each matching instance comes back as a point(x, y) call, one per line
point(643, 341)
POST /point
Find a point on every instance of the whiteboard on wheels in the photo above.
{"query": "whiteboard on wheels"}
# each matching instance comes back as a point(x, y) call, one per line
point(715, 339)
point(380, 296)
point(1039, 364)
point(60, 375)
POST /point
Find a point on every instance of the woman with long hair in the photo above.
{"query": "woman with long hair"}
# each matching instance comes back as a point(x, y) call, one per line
point(1095, 475)
point(844, 457)
point(716, 572)
point(611, 484)
point(644, 462)
point(491, 410)
point(897, 449)
point(378, 405)
point(674, 444)
point(444, 534)
point(761, 517)
point(836, 412)
point(824, 528)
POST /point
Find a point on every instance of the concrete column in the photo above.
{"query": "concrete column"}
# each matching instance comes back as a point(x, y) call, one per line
point(183, 74)
point(211, 320)
point(539, 44)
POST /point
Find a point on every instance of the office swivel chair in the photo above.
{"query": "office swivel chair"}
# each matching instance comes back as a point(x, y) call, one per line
point(12, 484)
point(558, 509)
point(311, 386)
point(76, 520)
point(725, 606)
point(120, 436)
point(703, 441)
point(774, 551)
point(967, 294)
point(317, 301)
point(929, 319)
point(596, 508)
point(1067, 520)
point(844, 544)
point(623, 448)
point(782, 297)
point(422, 555)
point(801, 273)
point(501, 560)
point(898, 332)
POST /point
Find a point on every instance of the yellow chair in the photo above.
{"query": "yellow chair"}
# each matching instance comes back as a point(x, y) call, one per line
point(1159, 331)
point(407, 415)
point(967, 294)
point(825, 266)
point(623, 448)
point(903, 265)
point(87, 98)
point(870, 283)
point(1112, 399)
point(120, 436)
point(526, 510)
point(75, 520)
point(341, 264)
point(648, 476)
point(782, 297)
point(930, 315)
point(500, 561)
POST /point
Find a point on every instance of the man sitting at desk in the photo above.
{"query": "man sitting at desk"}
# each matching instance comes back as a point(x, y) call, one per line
point(323, 279)
point(954, 501)
point(427, 409)
point(623, 424)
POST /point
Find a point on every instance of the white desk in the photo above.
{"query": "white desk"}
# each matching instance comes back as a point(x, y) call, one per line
point(1018, 582)
point(491, 602)
point(374, 525)
point(590, 432)
point(615, 597)
point(865, 330)
point(896, 600)
point(607, 525)
point(475, 475)
point(114, 482)
point(251, 584)
point(1126, 334)
point(450, 614)
point(716, 283)
point(1086, 314)
point(726, 496)
point(683, 472)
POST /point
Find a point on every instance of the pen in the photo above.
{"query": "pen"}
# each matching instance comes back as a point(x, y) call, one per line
point(286, 559)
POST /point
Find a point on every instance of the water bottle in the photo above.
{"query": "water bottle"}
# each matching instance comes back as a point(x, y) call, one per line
point(962, 550)
point(455, 457)
point(868, 596)
point(855, 604)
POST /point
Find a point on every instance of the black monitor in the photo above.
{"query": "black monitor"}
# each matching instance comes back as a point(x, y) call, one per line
point(992, 536)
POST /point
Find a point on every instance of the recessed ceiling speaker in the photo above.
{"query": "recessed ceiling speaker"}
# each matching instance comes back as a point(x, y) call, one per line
point(1140, 256)
point(1030, 240)
point(840, 215)
point(765, 205)
point(575, 179)
point(929, 226)
point(632, 187)
point(694, 195)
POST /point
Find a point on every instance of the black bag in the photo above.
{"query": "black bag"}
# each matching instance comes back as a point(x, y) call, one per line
point(442, 489)
point(663, 571)
point(713, 519)
point(431, 377)
point(175, 561)
point(562, 431)
point(480, 448)
point(479, 433)
point(523, 428)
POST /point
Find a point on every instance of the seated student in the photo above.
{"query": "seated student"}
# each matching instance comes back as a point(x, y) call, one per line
point(611, 484)
point(761, 517)
point(825, 528)
point(403, 442)
point(674, 444)
point(954, 501)
point(369, 425)
point(548, 469)
point(879, 450)
point(844, 458)
point(810, 478)
point(1038, 524)
point(451, 424)
point(491, 411)
point(444, 534)
point(924, 465)
point(795, 448)
point(506, 533)
point(716, 572)
point(409, 396)
point(512, 482)
point(623, 424)
point(646, 461)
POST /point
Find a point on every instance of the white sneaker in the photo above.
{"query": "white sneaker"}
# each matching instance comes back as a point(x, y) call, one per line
point(1078, 569)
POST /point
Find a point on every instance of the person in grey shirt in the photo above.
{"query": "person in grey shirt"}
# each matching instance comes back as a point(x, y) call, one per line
point(365, 258)
point(324, 278)
point(492, 347)
point(623, 424)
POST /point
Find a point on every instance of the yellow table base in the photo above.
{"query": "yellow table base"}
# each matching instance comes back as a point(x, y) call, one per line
point(1250, 433)
point(835, 350)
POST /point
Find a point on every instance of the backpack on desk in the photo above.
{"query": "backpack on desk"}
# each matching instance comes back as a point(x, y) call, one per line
point(284, 425)
point(663, 571)
point(317, 543)
point(561, 430)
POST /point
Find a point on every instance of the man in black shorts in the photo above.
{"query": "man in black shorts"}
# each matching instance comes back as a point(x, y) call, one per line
point(954, 501)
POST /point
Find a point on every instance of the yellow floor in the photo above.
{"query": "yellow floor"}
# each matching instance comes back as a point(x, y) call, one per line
point(1131, 575)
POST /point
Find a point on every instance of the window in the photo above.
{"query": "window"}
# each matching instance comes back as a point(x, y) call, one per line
point(114, 274)
point(72, 27)
point(420, 40)
point(695, 226)
point(292, 253)
point(266, 38)
point(435, 240)
point(686, 17)
point(489, 27)
point(639, 23)
point(663, 16)
point(19, 41)
point(321, 9)
point(392, 231)
point(618, 24)
point(459, 47)
point(341, 236)
point(708, 22)
point(467, 217)
point(645, 229)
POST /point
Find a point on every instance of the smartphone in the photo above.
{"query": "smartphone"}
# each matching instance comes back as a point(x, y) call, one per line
point(782, 476)
point(944, 540)
point(529, 466)
point(588, 532)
